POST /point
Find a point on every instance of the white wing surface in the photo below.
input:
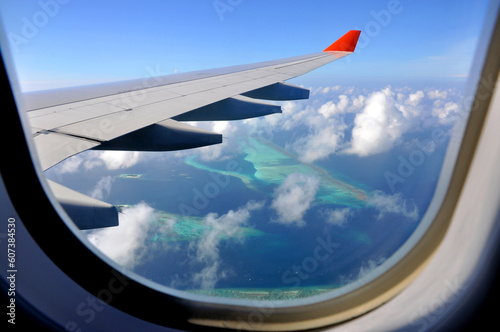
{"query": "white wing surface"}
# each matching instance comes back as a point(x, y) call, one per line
point(144, 115)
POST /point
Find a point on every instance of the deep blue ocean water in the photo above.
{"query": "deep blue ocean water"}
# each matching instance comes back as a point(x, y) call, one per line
point(279, 256)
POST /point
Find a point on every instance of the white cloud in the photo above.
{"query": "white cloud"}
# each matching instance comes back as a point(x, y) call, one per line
point(324, 90)
point(378, 126)
point(330, 109)
point(338, 217)
point(93, 160)
point(70, 165)
point(365, 269)
point(357, 102)
point(318, 145)
point(207, 247)
point(293, 198)
point(119, 159)
point(208, 277)
point(382, 118)
point(228, 130)
point(392, 204)
point(415, 98)
point(436, 94)
point(293, 115)
point(102, 188)
point(126, 243)
point(445, 113)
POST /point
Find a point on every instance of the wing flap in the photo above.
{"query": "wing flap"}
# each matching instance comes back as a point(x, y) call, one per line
point(279, 91)
point(86, 212)
point(53, 148)
point(236, 108)
point(167, 135)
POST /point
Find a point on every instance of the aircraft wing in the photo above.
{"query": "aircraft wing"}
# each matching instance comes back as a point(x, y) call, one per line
point(145, 115)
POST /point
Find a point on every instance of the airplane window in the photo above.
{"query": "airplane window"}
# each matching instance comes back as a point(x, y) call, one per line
point(296, 206)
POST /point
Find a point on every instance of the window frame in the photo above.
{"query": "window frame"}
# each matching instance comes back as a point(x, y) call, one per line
point(96, 273)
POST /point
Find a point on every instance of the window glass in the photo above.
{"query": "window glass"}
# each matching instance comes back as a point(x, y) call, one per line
point(290, 205)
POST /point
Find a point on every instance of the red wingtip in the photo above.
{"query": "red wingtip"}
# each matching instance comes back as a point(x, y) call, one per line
point(346, 43)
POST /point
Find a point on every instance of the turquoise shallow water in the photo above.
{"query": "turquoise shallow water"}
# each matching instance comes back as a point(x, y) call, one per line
point(272, 165)
point(189, 228)
point(266, 294)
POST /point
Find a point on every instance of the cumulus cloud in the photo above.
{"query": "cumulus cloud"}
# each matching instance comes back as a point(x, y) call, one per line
point(357, 102)
point(210, 275)
point(325, 90)
point(383, 118)
point(102, 188)
point(207, 247)
point(126, 243)
point(415, 98)
point(319, 90)
point(338, 217)
point(91, 159)
point(70, 165)
point(394, 204)
point(378, 126)
point(228, 130)
point(331, 108)
point(317, 145)
point(445, 112)
point(365, 269)
point(293, 198)
point(437, 94)
point(119, 159)
point(294, 114)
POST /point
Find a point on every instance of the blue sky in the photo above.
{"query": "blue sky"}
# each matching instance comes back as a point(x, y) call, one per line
point(71, 42)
